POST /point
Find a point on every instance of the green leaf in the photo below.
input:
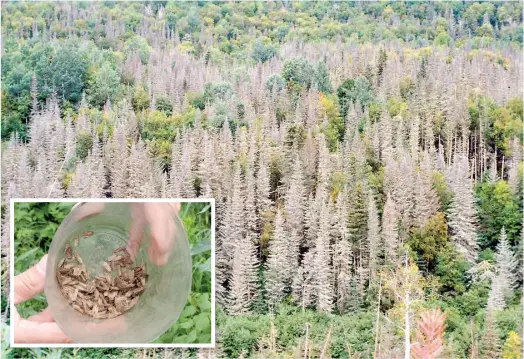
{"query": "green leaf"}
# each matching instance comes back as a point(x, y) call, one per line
point(204, 338)
point(205, 306)
point(191, 337)
point(205, 209)
point(203, 298)
point(201, 247)
point(186, 325)
point(206, 266)
point(188, 311)
point(180, 339)
point(27, 254)
point(202, 322)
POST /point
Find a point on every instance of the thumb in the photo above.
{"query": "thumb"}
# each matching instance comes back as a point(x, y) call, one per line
point(31, 282)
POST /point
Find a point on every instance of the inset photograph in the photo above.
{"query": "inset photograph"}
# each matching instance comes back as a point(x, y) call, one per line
point(112, 272)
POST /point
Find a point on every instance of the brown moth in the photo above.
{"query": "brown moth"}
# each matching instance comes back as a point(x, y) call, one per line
point(104, 296)
point(68, 251)
point(77, 257)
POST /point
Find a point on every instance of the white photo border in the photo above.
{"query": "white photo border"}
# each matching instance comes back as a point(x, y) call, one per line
point(12, 344)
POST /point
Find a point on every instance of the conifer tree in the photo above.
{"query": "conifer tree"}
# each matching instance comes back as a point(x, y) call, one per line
point(430, 335)
point(461, 213)
point(311, 221)
point(224, 250)
point(303, 285)
point(251, 215)
point(373, 236)
point(175, 176)
point(278, 265)
point(117, 160)
point(506, 262)
point(262, 181)
point(505, 278)
point(490, 340)
point(80, 184)
point(342, 256)
point(186, 175)
point(238, 219)
point(243, 288)
point(295, 205)
point(25, 173)
point(34, 96)
point(97, 176)
point(358, 228)
point(390, 232)
point(139, 169)
point(425, 197)
point(403, 191)
point(323, 274)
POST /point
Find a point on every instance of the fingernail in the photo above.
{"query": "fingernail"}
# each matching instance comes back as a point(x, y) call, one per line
point(41, 265)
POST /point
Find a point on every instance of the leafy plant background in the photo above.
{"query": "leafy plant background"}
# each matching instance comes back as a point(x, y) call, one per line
point(34, 228)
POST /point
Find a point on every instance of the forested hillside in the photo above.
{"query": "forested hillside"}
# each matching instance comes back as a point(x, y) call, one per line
point(365, 158)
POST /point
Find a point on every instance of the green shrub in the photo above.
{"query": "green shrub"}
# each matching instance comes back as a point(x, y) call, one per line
point(84, 143)
point(163, 104)
point(141, 99)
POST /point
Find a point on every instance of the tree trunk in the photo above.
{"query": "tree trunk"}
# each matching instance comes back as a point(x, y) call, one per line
point(407, 329)
point(306, 343)
point(375, 348)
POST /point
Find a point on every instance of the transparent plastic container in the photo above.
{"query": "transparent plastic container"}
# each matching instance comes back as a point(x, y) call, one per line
point(167, 287)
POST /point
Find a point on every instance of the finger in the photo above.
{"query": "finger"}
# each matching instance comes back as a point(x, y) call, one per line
point(136, 229)
point(32, 332)
point(175, 207)
point(160, 219)
point(16, 317)
point(86, 210)
point(162, 241)
point(42, 317)
point(31, 282)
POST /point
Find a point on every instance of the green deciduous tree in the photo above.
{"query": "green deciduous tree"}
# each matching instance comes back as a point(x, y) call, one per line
point(69, 71)
point(354, 91)
point(104, 85)
point(512, 347)
point(158, 126)
point(138, 44)
point(84, 142)
point(263, 52)
point(442, 38)
point(298, 71)
point(497, 207)
point(430, 240)
point(451, 268)
point(163, 104)
point(218, 91)
point(141, 99)
point(275, 83)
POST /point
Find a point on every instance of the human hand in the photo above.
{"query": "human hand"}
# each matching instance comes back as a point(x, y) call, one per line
point(159, 217)
point(41, 327)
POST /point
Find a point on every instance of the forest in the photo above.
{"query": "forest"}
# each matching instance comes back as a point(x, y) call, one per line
point(365, 159)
